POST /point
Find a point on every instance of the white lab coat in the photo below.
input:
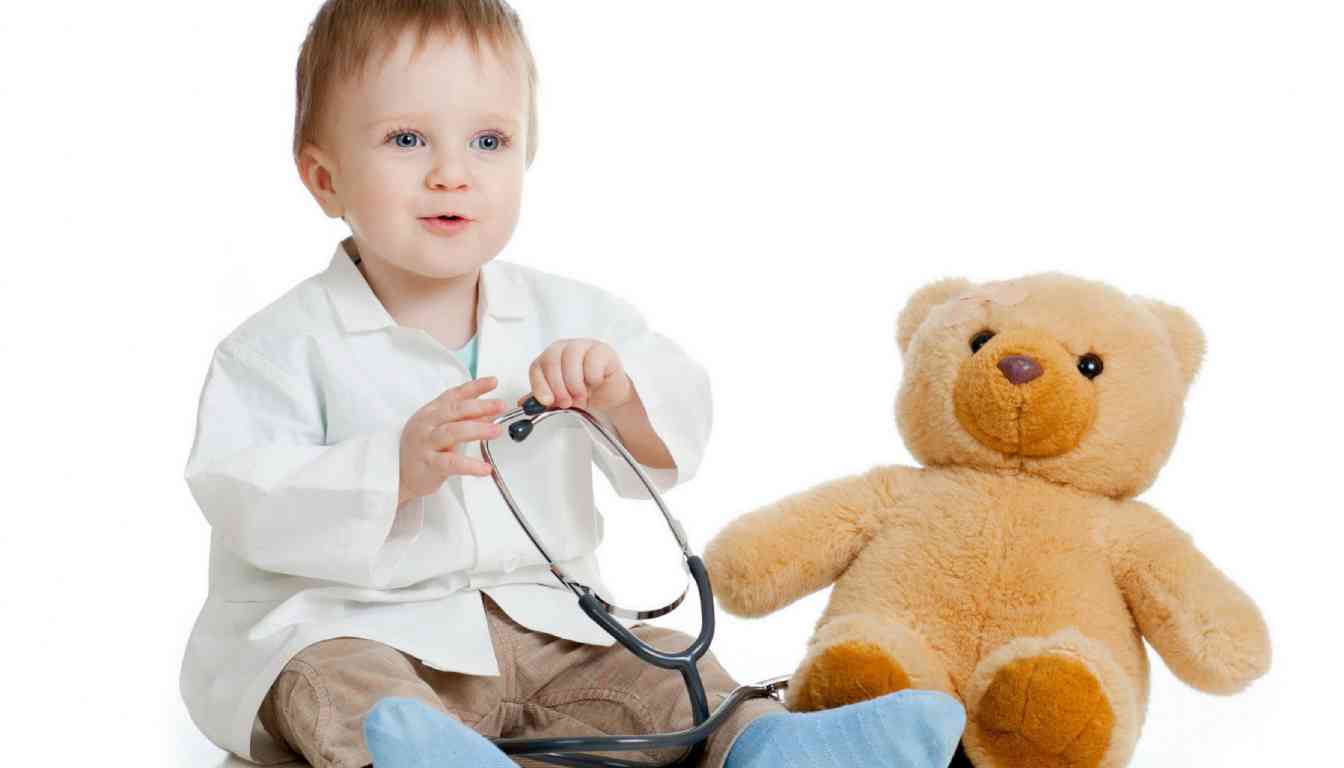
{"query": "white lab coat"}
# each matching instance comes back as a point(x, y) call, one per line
point(296, 463)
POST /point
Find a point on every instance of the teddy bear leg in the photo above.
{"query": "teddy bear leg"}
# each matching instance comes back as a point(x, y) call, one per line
point(858, 657)
point(1056, 702)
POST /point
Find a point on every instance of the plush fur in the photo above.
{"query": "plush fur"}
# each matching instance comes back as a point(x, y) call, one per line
point(1014, 570)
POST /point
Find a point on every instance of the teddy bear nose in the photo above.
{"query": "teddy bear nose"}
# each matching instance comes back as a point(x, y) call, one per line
point(1019, 368)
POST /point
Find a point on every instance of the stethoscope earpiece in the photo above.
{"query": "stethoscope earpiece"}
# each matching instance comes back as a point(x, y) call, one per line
point(519, 430)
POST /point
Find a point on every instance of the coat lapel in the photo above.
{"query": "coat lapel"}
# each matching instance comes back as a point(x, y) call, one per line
point(507, 340)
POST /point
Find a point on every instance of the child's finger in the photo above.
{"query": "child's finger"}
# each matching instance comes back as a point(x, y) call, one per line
point(451, 409)
point(473, 388)
point(463, 410)
point(451, 433)
point(599, 364)
point(452, 463)
point(571, 369)
point(540, 388)
point(555, 380)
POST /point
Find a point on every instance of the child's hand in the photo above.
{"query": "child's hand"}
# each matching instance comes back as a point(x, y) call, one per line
point(431, 434)
point(583, 373)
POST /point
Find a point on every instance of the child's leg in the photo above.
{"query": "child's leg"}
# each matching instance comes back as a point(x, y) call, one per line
point(582, 689)
point(319, 702)
point(552, 687)
point(573, 689)
point(906, 729)
point(405, 733)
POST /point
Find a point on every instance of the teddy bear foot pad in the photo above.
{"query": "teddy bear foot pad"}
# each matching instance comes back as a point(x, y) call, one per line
point(1045, 711)
point(849, 672)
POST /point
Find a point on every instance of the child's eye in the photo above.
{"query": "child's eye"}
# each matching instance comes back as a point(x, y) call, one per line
point(490, 142)
point(404, 139)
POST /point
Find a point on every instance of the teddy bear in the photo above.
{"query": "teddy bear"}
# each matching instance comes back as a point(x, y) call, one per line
point(1015, 569)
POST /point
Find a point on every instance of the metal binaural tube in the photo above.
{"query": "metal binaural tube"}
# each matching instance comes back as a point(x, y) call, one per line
point(519, 431)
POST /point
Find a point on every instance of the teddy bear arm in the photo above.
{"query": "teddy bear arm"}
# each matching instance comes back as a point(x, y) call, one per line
point(779, 553)
point(1207, 630)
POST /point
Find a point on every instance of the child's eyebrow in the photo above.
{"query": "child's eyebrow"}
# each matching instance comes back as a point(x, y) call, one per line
point(395, 118)
point(508, 121)
point(498, 118)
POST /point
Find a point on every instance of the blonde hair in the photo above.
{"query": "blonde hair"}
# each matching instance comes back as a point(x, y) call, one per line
point(346, 32)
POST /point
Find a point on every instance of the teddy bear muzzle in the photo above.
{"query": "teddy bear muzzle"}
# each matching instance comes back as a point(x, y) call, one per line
point(1021, 394)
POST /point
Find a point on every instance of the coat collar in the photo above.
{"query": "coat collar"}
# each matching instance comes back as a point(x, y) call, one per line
point(360, 310)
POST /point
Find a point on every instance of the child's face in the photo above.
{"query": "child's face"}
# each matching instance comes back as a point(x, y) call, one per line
point(443, 132)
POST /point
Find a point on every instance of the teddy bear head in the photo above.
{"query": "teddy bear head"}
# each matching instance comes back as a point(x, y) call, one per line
point(1062, 378)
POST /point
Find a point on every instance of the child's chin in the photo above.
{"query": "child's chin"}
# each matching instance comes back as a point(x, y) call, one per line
point(442, 263)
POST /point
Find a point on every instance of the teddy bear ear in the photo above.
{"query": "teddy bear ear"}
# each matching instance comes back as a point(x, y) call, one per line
point(922, 302)
point(1186, 336)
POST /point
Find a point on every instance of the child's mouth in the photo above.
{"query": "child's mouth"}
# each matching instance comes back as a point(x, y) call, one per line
point(448, 223)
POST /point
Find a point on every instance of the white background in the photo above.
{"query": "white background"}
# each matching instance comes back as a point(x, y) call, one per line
point(768, 182)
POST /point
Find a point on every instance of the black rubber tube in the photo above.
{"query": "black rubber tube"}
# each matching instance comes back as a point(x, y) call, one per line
point(554, 750)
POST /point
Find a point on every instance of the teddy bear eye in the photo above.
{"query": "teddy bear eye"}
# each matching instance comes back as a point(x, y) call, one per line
point(980, 339)
point(1090, 365)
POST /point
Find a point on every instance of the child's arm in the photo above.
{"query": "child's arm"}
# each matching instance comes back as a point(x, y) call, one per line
point(651, 392)
point(588, 374)
point(636, 433)
point(279, 498)
point(674, 406)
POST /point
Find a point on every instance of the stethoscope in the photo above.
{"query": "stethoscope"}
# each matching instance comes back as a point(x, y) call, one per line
point(565, 751)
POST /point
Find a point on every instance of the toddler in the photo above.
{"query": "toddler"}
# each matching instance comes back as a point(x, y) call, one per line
point(371, 598)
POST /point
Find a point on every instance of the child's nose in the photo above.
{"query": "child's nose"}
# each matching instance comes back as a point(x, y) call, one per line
point(449, 173)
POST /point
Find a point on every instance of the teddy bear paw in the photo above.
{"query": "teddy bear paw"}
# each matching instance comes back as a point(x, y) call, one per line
point(1059, 702)
point(846, 673)
point(1046, 711)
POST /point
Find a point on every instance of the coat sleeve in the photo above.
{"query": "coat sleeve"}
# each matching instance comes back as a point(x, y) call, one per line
point(277, 496)
point(676, 395)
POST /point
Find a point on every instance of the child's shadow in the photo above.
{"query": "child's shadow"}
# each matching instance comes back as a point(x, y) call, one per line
point(958, 761)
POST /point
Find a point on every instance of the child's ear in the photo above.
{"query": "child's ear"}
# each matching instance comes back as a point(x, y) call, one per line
point(1187, 338)
point(316, 170)
point(922, 302)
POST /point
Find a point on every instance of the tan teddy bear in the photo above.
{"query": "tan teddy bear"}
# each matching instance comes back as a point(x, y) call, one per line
point(1014, 569)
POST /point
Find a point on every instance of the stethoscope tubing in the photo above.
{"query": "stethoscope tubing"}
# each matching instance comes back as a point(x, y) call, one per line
point(521, 422)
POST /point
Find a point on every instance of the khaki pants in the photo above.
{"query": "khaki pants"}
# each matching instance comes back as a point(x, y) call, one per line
point(547, 686)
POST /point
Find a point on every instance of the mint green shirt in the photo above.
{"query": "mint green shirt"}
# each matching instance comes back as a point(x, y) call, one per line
point(467, 354)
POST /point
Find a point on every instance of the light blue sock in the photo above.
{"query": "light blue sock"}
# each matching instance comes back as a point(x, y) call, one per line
point(909, 729)
point(405, 733)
